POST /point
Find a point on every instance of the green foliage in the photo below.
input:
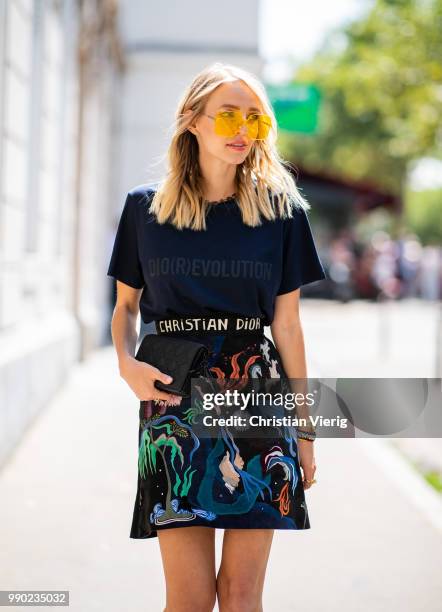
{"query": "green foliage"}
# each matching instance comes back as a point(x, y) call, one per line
point(382, 95)
point(423, 215)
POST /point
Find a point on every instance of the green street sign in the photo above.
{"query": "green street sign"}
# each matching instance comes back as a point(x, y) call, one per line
point(296, 106)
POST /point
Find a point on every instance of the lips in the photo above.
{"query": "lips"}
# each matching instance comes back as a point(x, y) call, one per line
point(238, 146)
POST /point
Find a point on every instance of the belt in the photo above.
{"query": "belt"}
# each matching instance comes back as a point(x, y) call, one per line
point(212, 324)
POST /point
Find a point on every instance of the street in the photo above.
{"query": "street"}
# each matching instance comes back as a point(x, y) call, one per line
point(68, 492)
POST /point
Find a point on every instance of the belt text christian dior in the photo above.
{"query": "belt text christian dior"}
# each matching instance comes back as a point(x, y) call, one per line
point(210, 324)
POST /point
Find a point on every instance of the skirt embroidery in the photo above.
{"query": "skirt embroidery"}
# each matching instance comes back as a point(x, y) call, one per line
point(221, 481)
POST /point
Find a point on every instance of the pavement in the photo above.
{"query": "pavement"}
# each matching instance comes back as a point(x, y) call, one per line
point(375, 544)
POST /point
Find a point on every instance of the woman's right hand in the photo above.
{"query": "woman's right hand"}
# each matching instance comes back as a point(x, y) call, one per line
point(140, 377)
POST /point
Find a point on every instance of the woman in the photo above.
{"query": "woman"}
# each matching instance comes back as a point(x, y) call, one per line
point(224, 236)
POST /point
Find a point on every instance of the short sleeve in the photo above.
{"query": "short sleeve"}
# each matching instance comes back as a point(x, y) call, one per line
point(125, 264)
point(301, 264)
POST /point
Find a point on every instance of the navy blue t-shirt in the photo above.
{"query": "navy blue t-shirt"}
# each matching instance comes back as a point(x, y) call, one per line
point(230, 268)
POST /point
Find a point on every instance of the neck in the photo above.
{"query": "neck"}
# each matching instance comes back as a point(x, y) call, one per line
point(219, 179)
point(214, 194)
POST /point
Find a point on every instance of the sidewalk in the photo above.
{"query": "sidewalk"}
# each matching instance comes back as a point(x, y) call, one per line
point(68, 494)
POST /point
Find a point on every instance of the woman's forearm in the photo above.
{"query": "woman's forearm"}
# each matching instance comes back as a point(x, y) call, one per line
point(289, 342)
point(124, 333)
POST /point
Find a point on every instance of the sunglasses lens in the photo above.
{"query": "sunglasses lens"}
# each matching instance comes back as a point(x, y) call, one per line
point(253, 126)
point(265, 123)
point(259, 126)
point(228, 124)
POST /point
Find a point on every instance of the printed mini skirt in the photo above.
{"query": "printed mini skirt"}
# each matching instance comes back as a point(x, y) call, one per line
point(227, 479)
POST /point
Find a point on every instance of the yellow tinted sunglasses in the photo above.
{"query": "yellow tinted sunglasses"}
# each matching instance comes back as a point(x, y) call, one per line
point(229, 122)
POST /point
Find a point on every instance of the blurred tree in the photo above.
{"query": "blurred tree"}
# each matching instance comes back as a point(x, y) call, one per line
point(381, 82)
point(423, 215)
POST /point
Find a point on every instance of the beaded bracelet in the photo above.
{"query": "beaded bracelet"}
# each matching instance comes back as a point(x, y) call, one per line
point(306, 435)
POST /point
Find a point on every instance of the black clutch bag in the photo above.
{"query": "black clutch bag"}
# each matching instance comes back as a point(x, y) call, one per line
point(180, 358)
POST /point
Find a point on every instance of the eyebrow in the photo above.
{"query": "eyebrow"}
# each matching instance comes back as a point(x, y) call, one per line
point(252, 108)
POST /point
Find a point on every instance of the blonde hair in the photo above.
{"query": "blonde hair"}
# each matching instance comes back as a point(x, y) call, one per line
point(179, 199)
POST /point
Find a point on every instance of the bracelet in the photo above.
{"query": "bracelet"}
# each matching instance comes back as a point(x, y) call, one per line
point(306, 435)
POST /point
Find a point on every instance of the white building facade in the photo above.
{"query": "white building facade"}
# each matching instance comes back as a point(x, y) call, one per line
point(57, 83)
point(88, 92)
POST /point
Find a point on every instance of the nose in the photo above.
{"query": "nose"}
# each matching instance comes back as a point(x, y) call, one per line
point(243, 130)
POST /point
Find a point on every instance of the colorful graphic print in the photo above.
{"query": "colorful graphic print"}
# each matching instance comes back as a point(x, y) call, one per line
point(228, 481)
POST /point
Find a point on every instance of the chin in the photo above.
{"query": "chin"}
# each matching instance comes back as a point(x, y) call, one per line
point(236, 159)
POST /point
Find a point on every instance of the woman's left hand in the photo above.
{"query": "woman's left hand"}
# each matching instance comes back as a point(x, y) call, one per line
point(306, 461)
